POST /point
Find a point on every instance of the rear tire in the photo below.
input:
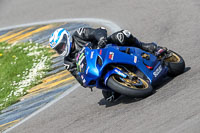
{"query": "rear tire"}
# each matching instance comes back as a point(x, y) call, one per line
point(115, 84)
point(176, 64)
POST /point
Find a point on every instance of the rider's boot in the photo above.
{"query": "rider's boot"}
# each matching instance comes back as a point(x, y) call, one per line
point(153, 48)
point(110, 95)
point(149, 47)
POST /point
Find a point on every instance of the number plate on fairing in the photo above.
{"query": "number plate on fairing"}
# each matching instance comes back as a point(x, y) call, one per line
point(157, 71)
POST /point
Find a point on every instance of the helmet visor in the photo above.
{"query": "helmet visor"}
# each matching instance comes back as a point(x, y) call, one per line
point(61, 47)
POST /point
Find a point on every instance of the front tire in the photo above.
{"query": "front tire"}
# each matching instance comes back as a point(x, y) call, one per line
point(175, 63)
point(125, 87)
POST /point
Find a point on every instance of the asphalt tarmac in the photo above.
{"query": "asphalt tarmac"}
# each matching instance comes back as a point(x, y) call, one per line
point(174, 107)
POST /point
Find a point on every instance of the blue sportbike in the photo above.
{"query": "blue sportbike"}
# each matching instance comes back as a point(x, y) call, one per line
point(126, 70)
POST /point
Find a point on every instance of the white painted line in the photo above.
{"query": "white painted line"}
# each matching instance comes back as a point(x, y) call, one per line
point(112, 26)
point(46, 106)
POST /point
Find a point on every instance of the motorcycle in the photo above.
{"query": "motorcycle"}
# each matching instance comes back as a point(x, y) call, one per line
point(126, 70)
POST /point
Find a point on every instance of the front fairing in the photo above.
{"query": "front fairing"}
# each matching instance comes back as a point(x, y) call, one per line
point(92, 70)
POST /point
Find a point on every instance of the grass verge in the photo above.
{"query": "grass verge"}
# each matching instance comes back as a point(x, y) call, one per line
point(22, 66)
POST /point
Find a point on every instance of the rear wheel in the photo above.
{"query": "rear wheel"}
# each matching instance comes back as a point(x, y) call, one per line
point(175, 63)
point(136, 87)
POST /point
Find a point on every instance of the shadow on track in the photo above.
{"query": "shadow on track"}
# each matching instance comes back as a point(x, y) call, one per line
point(127, 100)
point(167, 80)
point(121, 99)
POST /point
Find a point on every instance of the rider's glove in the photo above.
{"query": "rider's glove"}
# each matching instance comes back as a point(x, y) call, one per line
point(149, 47)
point(102, 42)
point(160, 51)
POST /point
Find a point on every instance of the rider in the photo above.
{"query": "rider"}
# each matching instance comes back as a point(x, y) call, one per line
point(69, 45)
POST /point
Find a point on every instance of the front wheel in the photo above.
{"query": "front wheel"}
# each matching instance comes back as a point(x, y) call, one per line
point(138, 88)
point(175, 64)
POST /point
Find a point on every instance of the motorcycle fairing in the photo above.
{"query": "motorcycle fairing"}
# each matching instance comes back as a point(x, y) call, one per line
point(98, 59)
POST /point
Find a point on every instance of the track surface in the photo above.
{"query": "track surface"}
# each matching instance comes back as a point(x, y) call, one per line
point(175, 107)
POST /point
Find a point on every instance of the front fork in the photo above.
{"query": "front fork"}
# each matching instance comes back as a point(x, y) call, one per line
point(114, 71)
point(122, 73)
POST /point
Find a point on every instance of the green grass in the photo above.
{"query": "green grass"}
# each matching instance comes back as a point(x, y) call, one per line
point(21, 67)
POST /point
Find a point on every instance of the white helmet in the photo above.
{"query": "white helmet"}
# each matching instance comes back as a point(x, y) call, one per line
point(61, 41)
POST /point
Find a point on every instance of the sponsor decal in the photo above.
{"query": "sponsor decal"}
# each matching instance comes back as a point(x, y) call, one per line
point(82, 65)
point(82, 50)
point(111, 55)
point(81, 56)
point(82, 77)
point(157, 71)
point(135, 59)
point(100, 52)
point(120, 37)
point(91, 56)
point(81, 60)
point(120, 73)
point(77, 57)
point(87, 70)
